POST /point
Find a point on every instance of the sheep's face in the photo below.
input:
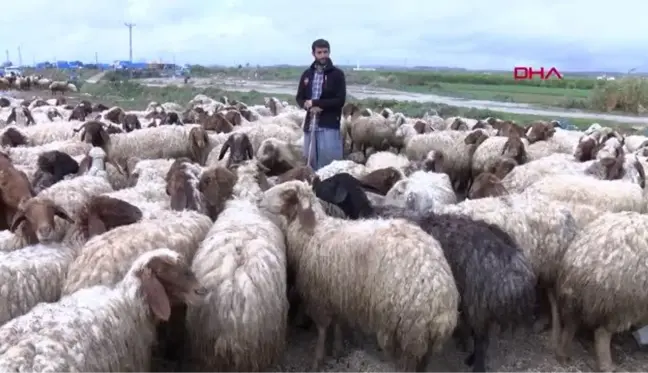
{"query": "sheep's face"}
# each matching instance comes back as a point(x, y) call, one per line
point(503, 167)
point(37, 217)
point(166, 281)
point(234, 117)
point(420, 126)
point(290, 202)
point(268, 153)
point(540, 131)
point(459, 125)
point(434, 162)
point(586, 149)
point(486, 185)
point(240, 149)
point(612, 148)
point(514, 149)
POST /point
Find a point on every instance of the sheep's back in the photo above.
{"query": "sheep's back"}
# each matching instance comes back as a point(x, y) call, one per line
point(105, 259)
point(604, 272)
point(380, 286)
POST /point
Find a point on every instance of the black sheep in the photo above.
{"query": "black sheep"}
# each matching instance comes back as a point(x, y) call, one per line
point(494, 278)
point(346, 192)
point(53, 166)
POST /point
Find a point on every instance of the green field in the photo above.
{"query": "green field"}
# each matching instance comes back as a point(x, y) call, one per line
point(625, 95)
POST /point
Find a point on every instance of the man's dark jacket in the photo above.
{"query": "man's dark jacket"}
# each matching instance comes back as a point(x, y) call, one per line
point(331, 100)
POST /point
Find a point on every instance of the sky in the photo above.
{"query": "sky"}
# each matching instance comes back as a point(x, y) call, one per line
point(574, 35)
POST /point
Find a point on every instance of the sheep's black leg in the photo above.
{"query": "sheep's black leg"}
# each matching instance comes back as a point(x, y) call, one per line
point(479, 354)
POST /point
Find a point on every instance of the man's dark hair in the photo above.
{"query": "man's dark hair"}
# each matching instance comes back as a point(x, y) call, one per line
point(320, 43)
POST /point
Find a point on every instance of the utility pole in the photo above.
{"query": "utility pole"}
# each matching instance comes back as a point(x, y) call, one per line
point(19, 57)
point(7, 54)
point(130, 40)
point(96, 58)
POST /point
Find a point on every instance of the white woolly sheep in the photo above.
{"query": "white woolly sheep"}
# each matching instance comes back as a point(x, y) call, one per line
point(113, 326)
point(605, 195)
point(104, 259)
point(331, 256)
point(422, 191)
point(602, 282)
point(32, 275)
point(242, 324)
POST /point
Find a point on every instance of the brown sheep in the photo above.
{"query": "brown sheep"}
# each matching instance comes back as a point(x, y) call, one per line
point(5, 85)
point(234, 117)
point(78, 113)
point(113, 114)
point(24, 111)
point(459, 124)
point(4, 102)
point(272, 105)
point(539, 131)
point(612, 168)
point(381, 181)
point(102, 213)
point(12, 138)
point(61, 87)
point(35, 102)
point(502, 167)
point(192, 115)
point(172, 118)
point(217, 186)
point(586, 149)
point(349, 109)
point(199, 145)
point(98, 107)
point(514, 148)
point(181, 186)
point(505, 128)
point(216, 122)
point(15, 188)
point(420, 127)
point(93, 132)
point(434, 162)
point(53, 113)
point(240, 149)
point(130, 122)
point(302, 173)
point(486, 185)
point(247, 114)
point(62, 101)
point(38, 214)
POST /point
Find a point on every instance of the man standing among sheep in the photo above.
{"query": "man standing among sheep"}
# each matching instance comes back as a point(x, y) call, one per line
point(322, 92)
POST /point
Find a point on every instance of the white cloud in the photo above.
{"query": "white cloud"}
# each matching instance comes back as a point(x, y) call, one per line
point(470, 33)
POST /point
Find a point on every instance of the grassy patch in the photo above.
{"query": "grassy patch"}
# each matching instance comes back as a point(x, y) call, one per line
point(625, 95)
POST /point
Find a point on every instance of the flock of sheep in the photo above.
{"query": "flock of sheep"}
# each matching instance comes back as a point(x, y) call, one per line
point(199, 234)
point(35, 82)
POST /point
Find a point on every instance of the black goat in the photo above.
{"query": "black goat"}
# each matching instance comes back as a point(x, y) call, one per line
point(346, 192)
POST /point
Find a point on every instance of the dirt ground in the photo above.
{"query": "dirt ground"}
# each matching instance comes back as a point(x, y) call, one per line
point(523, 351)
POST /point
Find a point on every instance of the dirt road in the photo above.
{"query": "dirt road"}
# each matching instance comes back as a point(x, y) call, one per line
point(524, 351)
point(360, 92)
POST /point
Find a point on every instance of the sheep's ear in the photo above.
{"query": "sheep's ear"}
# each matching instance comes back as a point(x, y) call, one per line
point(155, 295)
point(248, 147)
point(224, 149)
point(340, 194)
point(96, 226)
point(18, 219)
point(58, 211)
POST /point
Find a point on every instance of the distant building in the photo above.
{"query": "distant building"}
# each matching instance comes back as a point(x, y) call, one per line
point(605, 77)
point(358, 68)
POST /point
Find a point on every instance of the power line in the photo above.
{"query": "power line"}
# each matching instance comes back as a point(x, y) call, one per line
point(130, 40)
